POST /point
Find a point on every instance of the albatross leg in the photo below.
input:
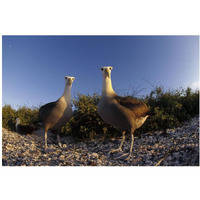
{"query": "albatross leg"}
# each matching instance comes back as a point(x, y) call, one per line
point(131, 149)
point(120, 147)
point(45, 139)
point(47, 150)
point(58, 139)
point(127, 156)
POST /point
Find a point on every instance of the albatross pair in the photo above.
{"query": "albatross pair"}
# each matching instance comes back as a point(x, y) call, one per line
point(121, 112)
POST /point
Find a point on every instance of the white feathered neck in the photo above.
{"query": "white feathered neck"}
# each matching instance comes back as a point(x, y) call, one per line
point(107, 87)
point(67, 93)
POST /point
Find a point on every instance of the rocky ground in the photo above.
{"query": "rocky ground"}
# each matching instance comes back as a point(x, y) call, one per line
point(174, 147)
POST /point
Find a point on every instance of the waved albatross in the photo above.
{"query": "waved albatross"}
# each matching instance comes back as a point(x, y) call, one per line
point(56, 114)
point(126, 114)
point(24, 129)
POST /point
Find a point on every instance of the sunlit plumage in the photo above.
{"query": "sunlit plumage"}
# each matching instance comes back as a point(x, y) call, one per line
point(56, 114)
point(126, 114)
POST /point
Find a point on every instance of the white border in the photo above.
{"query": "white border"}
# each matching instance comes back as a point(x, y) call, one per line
point(155, 17)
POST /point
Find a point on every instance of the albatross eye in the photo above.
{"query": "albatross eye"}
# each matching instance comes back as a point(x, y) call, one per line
point(110, 68)
point(101, 69)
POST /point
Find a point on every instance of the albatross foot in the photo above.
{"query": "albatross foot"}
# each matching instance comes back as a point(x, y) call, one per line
point(125, 156)
point(114, 150)
point(63, 147)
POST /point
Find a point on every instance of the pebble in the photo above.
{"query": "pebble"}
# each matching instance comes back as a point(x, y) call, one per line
point(95, 155)
point(173, 147)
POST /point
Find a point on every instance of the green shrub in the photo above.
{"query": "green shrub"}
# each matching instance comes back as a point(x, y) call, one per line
point(8, 117)
point(167, 110)
point(26, 115)
point(86, 123)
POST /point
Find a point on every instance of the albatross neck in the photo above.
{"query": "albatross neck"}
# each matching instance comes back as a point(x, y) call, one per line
point(107, 87)
point(67, 93)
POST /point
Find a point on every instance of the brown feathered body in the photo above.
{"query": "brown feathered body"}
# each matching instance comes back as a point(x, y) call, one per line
point(56, 114)
point(25, 129)
point(122, 112)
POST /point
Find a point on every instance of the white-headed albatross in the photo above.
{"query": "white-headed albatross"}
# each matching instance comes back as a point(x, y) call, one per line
point(126, 114)
point(56, 114)
point(24, 129)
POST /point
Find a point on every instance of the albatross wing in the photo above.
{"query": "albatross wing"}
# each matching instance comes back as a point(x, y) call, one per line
point(139, 108)
point(46, 109)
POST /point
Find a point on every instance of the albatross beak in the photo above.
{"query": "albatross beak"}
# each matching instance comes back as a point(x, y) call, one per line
point(70, 81)
point(107, 72)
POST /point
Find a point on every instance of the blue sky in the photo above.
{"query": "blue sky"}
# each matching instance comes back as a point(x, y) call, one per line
point(34, 66)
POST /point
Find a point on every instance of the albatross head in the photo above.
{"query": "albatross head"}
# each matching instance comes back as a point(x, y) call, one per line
point(17, 121)
point(69, 80)
point(106, 71)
